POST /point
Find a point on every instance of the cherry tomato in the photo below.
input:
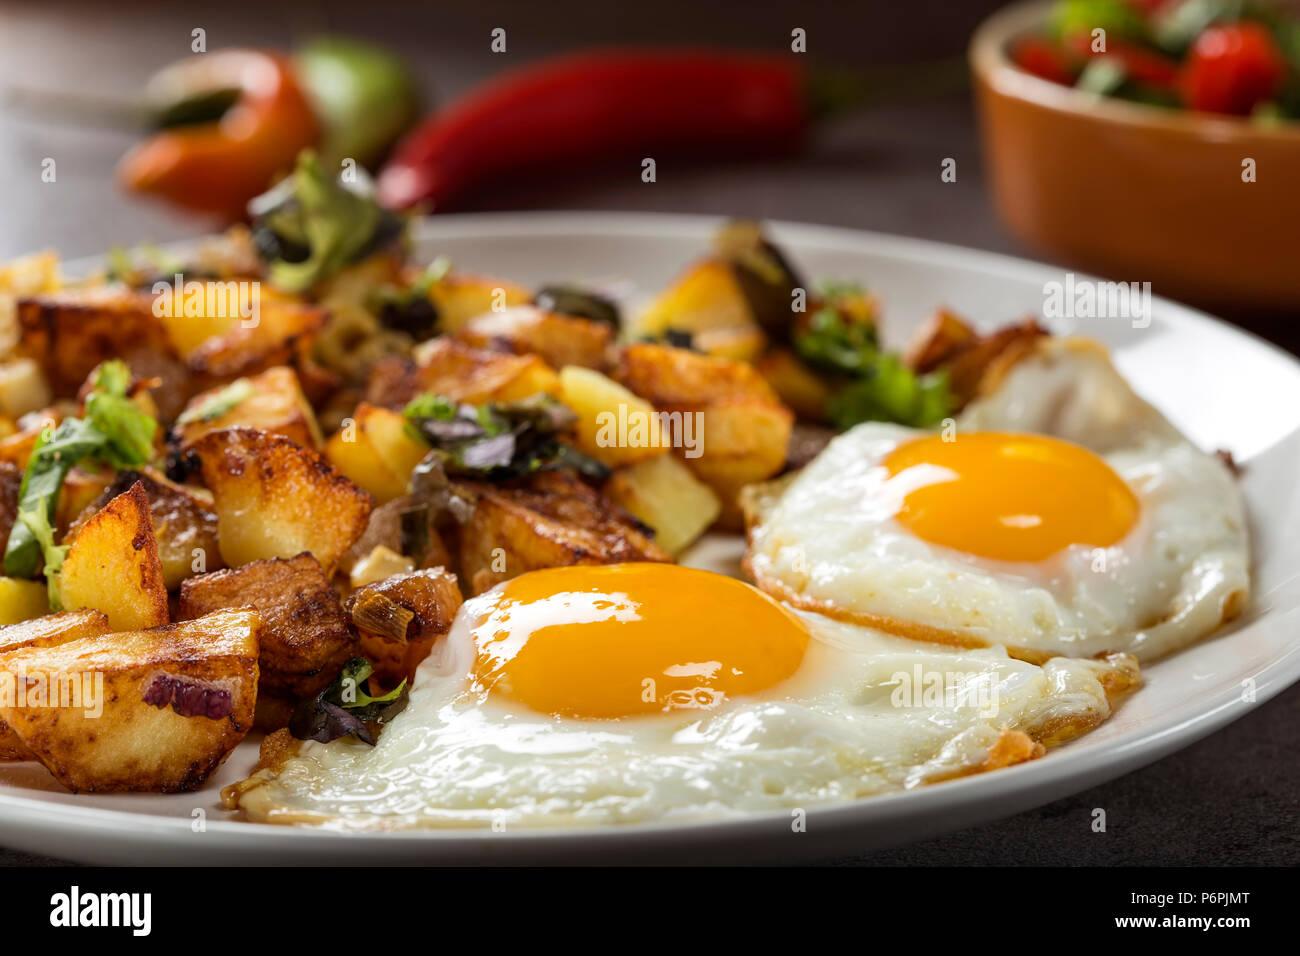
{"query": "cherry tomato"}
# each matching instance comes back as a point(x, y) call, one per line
point(1232, 68)
point(1140, 65)
point(1044, 59)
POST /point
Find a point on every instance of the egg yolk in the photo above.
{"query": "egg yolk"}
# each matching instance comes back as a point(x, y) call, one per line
point(1009, 497)
point(624, 639)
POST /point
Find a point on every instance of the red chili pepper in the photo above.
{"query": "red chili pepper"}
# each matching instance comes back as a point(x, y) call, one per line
point(1140, 65)
point(587, 107)
point(1045, 59)
point(1232, 68)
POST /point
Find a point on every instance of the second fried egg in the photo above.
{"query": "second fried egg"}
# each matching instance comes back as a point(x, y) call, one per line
point(1135, 541)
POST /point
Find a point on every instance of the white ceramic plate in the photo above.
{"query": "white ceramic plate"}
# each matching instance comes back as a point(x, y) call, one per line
point(1224, 388)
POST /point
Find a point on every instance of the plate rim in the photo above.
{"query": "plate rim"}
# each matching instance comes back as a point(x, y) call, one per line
point(27, 822)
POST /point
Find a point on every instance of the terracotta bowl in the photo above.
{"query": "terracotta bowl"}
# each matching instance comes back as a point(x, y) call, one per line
point(1139, 193)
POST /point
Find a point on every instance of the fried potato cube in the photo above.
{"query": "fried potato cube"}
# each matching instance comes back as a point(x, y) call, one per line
point(305, 637)
point(675, 378)
point(939, 338)
point(459, 298)
point(601, 404)
point(401, 617)
point(708, 302)
point(664, 495)
point(70, 332)
point(113, 565)
point(23, 387)
point(743, 429)
point(45, 631)
point(272, 401)
point(143, 710)
point(558, 339)
point(975, 363)
point(798, 386)
point(22, 600)
point(450, 368)
point(184, 524)
point(375, 451)
point(547, 520)
point(743, 442)
point(227, 345)
point(276, 499)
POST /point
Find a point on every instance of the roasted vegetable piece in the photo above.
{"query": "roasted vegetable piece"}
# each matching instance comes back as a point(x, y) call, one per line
point(219, 165)
point(548, 520)
point(184, 524)
point(313, 225)
point(346, 708)
point(70, 333)
point(558, 339)
point(375, 449)
point(159, 709)
point(305, 637)
point(708, 304)
point(582, 303)
point(44, 631)
point(447, 367)
point(401, 617)
point(459, 298)
point(276, 499)
point(601, 404)
point(272, 401)
point(971, 363)
point(739, 429)
point(115, 431)
point(112, 565)
point(664, 495)
point(498, 441)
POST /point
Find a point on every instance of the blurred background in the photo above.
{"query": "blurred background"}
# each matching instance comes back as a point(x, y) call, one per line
point(66, 68)
point(82, 48)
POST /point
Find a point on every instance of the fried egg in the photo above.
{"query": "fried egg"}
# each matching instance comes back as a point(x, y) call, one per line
point(1059, 515)
point(640, 692)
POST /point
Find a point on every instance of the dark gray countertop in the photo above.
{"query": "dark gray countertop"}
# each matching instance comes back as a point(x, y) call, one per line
point(1230, 799)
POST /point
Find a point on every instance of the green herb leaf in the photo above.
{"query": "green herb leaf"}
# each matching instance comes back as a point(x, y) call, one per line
point(879, 386)
point(219, 403)
point(114, 431)
point(311, 226)
point(892, 392)
point(496, 442)
point(344, 708)
point(37, 522)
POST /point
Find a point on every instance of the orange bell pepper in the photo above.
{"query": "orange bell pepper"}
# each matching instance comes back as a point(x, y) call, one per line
point(219, 166)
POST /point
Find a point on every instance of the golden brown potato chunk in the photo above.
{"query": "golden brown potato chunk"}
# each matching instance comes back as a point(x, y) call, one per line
point(305, 637)
point(185, 525)
point(401, 617)
point(975, 363)
point(143, 710)
point(272, 401)
point(447, 367)
point(741, 429)
point(560, 340)
point(547, 520)
point(113, 565)
point(69, 333)
point(44, 631)
point(672, 378)
point(276, 499)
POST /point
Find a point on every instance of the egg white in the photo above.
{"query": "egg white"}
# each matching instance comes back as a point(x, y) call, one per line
point(865, 713)
point(827, 538)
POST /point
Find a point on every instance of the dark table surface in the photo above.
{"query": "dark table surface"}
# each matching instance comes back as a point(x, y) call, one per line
point(1230, 799)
